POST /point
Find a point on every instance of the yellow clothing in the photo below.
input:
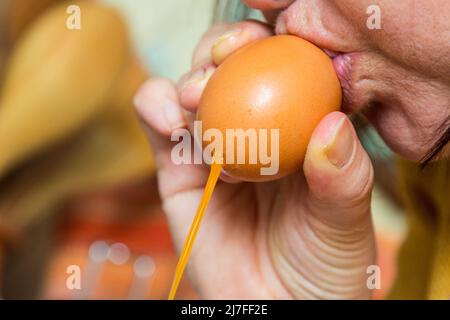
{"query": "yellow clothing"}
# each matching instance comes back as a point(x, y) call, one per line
point(424, 259)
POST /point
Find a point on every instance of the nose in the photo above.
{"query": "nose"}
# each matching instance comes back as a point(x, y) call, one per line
point(268, 4)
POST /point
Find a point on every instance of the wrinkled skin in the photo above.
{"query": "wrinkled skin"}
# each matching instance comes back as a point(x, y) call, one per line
point(310, 235)
point(399, 76)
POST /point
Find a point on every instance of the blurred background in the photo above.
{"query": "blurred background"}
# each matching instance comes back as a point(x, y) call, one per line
point(77, 180)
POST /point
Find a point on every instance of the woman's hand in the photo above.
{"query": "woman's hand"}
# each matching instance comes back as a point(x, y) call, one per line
point(306, 236)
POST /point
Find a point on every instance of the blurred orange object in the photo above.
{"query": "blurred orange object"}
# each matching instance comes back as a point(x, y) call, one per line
point(67, 88)
point(388, 246)
point(17, 15)
point(130, 216)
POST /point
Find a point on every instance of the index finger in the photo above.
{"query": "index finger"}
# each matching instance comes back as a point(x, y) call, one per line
point(212, 50)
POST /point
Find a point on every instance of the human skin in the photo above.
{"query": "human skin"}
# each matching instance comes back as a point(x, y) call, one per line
point(309, 235)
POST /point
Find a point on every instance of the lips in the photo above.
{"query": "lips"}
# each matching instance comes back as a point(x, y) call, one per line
point(337, 48)
point(343, 66)
point(332, 54)
point(342, 63)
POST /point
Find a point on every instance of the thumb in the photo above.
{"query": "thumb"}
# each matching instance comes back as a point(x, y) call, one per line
point(339, 174)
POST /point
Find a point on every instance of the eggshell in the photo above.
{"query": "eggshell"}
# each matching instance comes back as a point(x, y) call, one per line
point(282, 82)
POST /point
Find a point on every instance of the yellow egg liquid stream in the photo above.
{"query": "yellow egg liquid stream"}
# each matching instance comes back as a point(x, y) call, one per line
point(190, 240)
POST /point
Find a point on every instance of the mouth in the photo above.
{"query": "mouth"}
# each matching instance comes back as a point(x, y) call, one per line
point(342, 63)
point(344, 66)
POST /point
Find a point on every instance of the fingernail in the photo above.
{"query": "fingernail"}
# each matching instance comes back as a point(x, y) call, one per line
point(198, 77)
point(227, 43)
point(229, 36)
point(173, 115)
point(339, 150)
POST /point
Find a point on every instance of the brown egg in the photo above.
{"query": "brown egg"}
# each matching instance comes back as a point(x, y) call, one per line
point(282, 82)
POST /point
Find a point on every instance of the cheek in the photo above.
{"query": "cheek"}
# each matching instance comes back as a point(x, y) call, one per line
point(406, 108)
point(413, 33)
point(408, 130)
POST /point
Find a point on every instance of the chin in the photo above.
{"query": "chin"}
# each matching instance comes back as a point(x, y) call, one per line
point(400, 137)
point(405, 149)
